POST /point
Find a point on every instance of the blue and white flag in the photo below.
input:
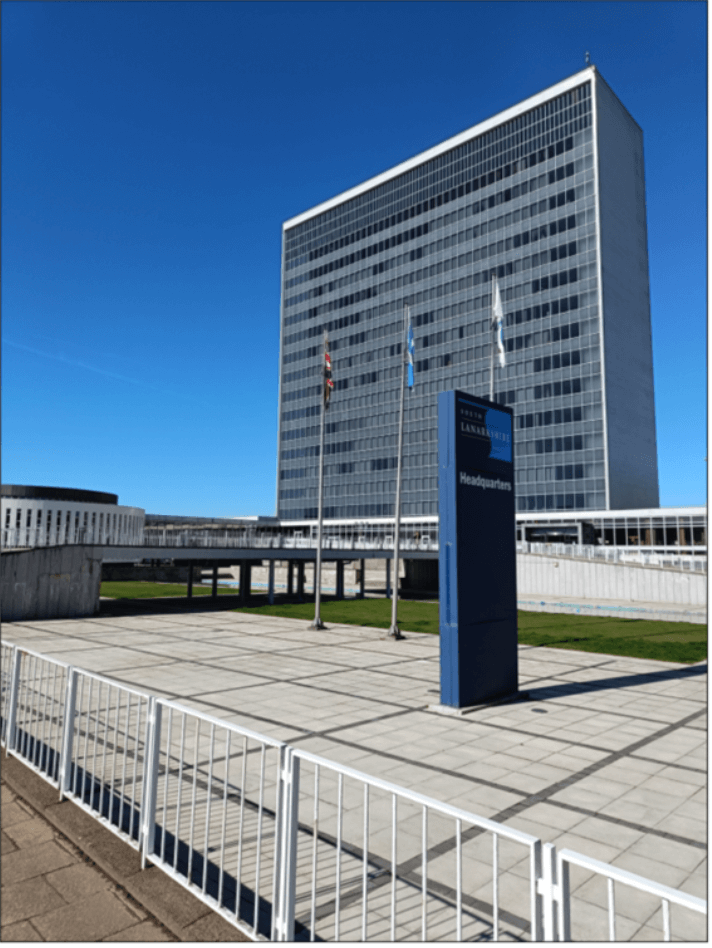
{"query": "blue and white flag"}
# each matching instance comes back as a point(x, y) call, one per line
point(410, 348)
point(497, 319)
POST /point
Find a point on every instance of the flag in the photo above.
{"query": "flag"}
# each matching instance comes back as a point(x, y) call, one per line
point(410, 349)
point(328, 384)
point(497, 318)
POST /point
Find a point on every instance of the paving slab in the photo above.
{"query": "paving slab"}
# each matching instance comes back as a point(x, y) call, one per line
point(36, 861)
point(28, 899)
point(101, 914)
point(80, 885)
point(50, 892)
point(608, 752)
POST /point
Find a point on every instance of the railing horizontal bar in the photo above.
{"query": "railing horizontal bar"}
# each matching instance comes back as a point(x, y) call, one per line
point(632, 879)
point(228, 725)
point(29, 651)
point(446, 809)
point(113, 682)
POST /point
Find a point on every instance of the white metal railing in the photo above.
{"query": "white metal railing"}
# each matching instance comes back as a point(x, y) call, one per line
point(21, 538)
point(34, 709)
point(692, 559)
point(283, 541)
point(211, 812)
point(392, 864)
point(559, 905)
point(281, 842)
point(694, 562)
point(7, 657)
point(103, 768)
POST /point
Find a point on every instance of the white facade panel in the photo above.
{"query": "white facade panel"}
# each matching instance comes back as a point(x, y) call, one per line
point(30, 522)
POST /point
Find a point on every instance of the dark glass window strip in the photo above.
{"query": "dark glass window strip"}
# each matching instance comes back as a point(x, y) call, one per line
point(480, 162)
point(551, 502)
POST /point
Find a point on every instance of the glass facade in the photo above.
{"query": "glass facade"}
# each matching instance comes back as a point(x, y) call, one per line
point(518, 200)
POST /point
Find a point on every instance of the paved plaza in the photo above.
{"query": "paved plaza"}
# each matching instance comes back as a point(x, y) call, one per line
point(607, 756)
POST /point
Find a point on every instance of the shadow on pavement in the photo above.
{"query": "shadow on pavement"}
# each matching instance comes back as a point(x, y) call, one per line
point(620, 681)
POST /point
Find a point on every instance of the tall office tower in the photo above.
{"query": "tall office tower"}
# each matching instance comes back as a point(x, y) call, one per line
point(550, 196)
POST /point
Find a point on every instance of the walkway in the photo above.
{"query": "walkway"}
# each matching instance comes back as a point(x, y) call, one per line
point(52, 892)
point(67, 878)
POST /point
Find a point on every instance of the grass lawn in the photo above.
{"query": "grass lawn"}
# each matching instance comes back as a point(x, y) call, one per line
point(145, 590)
point(635, 638)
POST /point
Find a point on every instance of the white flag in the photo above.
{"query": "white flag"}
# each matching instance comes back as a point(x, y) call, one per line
point(410, 350)
point(497, 319)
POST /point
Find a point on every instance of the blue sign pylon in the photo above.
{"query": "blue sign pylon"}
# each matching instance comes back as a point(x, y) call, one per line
point(478, 561)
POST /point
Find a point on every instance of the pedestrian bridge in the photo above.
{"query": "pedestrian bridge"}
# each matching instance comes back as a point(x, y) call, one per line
point(270, 539)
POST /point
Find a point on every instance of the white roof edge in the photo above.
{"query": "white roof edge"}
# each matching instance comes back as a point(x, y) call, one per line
point(507, 115)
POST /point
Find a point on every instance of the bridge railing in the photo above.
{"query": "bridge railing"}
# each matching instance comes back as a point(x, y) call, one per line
point(691, 560)
point(19, 539)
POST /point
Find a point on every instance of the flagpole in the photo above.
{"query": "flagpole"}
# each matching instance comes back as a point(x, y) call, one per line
point(394, 631)
point(317, 623)
point(492, 333)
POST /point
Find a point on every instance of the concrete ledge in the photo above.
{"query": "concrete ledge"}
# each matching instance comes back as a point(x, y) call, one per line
point(468, 709)
point(185, 916)
point(665, 613)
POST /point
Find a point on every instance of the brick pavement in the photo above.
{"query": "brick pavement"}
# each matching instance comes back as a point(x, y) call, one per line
point(52, 891)
point(65, 877)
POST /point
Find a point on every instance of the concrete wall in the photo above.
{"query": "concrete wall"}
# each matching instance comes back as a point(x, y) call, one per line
point(567, 577)
point(537, 576)
point(50, 583)
point(421, 575)
point(126, 572)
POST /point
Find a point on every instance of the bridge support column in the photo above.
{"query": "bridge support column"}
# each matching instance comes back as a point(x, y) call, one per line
point(300, 580)
point(189, 593)
point(388, 579)
point(245, 580)
point(290, 578)
point(270, 583)
point(214, 592)
point(339, 579)
point(362, 580)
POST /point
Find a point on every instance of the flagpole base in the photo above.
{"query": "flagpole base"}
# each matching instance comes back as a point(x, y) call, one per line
point(395, 633)
point(318, 624)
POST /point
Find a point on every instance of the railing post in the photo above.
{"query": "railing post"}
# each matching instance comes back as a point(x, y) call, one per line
point(564, 899)
point(150, 780)
point(537, 902)
point(65, 761)
point(11, 731)
point(549, 892)
point(285, 846)
point(270, 583)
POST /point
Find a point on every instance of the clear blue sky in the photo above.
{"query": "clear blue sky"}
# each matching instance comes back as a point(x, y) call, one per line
point(151, 152)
